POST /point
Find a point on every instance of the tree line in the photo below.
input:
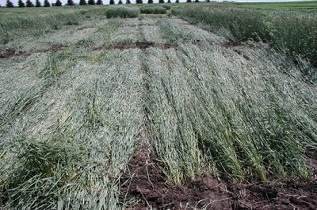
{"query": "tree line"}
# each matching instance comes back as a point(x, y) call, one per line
point(58, 3)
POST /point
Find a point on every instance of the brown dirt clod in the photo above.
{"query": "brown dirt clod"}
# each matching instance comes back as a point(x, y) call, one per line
point(145, 181)
point(8, 52)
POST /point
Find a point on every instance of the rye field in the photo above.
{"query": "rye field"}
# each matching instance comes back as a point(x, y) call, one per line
point(159, 106)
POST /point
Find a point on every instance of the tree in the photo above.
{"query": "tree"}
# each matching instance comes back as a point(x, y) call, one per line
point(161, 1)
point(111, 2)
point(70, 3)
point(177, 1)
point(169, 1)
point(150, 2)
point(99, 2)
point(82, 2)
point(9, 4)
point(38, 3)
point(120, 2)
point(28, 3)
point(128, 2)
point(139, 1)
point(47, 3)
point(91, 2)
point(21, 3)
point(188, 1)
point(196, 1)
point(58, 3)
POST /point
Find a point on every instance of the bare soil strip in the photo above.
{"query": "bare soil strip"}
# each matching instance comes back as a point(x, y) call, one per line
point(137, 45)
point(10, 52)
point(146, 181)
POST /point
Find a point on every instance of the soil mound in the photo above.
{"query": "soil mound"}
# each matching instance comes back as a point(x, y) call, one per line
point(145, 181)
